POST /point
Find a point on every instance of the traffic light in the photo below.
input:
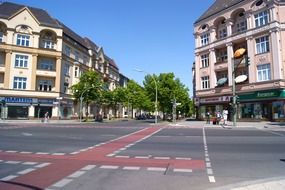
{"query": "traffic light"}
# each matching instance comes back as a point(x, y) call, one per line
point(237, 99)
point(247, 60)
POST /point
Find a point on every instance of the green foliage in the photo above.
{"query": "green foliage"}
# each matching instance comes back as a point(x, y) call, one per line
point(90, 87)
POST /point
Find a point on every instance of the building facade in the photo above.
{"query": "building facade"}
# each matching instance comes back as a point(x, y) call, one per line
point(40, 59)
point(259, 27)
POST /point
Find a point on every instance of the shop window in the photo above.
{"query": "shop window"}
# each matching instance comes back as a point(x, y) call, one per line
point(278, 110)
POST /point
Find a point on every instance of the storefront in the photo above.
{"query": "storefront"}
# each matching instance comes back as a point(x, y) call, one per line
point(18, 107)
point(263, 105)
point(212, 105)
point(44, 106)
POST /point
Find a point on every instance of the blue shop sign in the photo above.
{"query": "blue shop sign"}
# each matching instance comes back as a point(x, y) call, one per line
point(45, 101)
point(20, 100)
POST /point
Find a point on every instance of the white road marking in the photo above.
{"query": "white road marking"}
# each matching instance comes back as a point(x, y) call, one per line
point(42, 165)
point(29, 163)
point(162, 158)
point(11, 151)
point(109, 167)
point(12, 162)
point(180, 158)
point(209, 171)
point(156, 169)
point(183, 170)
point(131, 168)
point(88, 167)
point(8, 178)
point(142, 157)
point(26, 152)
point(26, 171)
point(77, 174)
point(207, 159)
point(122, 156)
point(62, 183)
point(110, 155)
point(212, 179)
point(74, 153)
point(42, 153)
point(27, 134)
point(58, 154)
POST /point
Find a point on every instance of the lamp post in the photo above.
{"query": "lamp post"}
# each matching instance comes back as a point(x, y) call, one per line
point(156, 112)
point(240, 55)
point(81, 102)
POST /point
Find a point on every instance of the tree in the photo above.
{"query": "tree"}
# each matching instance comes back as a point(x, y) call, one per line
point(169, 89)
point(89, 87)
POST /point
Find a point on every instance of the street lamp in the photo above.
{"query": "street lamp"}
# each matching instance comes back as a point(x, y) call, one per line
point(156, 112)
point(81, 100)
point(239, 55)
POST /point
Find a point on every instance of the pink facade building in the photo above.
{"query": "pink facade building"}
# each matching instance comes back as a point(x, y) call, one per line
point(259, 27)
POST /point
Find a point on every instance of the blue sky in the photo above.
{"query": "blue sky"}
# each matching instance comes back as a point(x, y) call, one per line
point(153, 35)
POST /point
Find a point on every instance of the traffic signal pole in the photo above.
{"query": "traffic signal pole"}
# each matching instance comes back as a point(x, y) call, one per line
point(234, 103)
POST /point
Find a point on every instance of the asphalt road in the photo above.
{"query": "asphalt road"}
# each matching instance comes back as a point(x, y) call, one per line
point(137, 155)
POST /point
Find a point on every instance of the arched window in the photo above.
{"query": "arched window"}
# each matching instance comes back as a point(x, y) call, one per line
point(48, 39)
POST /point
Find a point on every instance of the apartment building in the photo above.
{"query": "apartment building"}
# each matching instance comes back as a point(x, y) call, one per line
point(40, 59)
point(259, 27)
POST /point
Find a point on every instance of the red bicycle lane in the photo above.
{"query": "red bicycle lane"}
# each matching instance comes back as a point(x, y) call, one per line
point(62, 166)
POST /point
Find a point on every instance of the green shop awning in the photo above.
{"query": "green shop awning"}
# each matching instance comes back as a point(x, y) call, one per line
point(263, 95)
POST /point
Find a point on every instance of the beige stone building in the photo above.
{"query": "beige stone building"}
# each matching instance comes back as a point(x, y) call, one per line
point(259, 27)
point(40, 59)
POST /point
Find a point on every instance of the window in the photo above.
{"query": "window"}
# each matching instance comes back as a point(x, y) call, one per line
point(85, 60)
point(223, 33)
point(76, 72)
point(48, 44)
point(222, 56)
point(76, 55)
point(21, 61)
point(20, 83)
point(66, 70)
point(23, 40)
point(205, 82)
point(65, 87)
point(205, 60)
point(262, 44)
point(67, 50)
point(241, 26)
point(45, 85)
point(1, 37)
point(205, 39)
point(46, 64)
point(261, 18)
point(263, 72)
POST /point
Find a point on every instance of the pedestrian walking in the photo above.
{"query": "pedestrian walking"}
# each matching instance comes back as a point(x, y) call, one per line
point(208, 117)
point(46, 117)
point(219, 117)
point(225, 116)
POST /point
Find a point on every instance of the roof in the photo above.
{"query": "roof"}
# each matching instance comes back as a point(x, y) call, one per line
point(8, 9)
point(71, 34)
point(216, 7)
point(91, 45)
point(112, 62)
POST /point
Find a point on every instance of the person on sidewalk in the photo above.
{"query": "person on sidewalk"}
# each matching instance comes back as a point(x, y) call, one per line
point(208, 117)
point(225, 116)
point(219, 117)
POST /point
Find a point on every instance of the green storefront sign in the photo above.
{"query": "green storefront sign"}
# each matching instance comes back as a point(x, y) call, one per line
point(263, 95)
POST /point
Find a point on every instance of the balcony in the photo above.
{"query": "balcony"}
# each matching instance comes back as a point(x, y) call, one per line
point(220, 66)
point(46, 73)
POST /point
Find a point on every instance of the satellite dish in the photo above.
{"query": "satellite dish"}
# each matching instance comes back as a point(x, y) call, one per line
point(222, 81)
point(241, 78)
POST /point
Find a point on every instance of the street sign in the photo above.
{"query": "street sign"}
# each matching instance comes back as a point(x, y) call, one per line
point(59, 98)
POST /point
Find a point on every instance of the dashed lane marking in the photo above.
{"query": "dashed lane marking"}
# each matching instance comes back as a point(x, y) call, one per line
point(183, 170)
point(156, 169)
point(77, 174)
point(109, 167)
point(130, 168)
point(62, 183)
point(26, 171)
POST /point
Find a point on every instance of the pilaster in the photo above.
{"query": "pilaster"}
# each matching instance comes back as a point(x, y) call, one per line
point(8, 65)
